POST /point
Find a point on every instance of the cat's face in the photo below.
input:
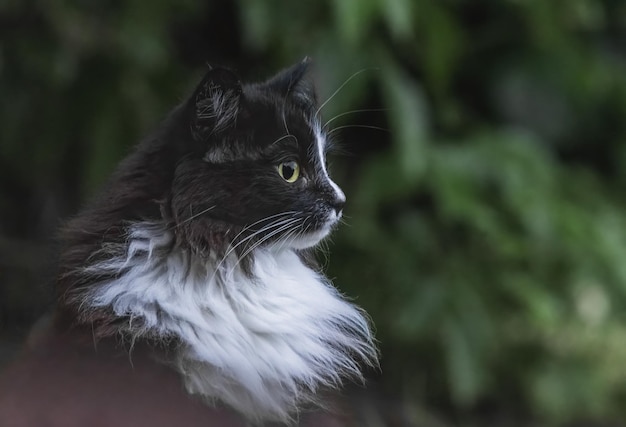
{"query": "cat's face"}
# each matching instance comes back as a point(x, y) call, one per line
point(257, 173)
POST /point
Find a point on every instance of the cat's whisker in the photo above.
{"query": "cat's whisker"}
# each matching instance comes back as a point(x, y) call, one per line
point(281, 223)
point(344, 221)
point(284, 115)
point(325, 251)
point(192, 217)
point(366, 110)
point(263, 229)
point(282, 137)
point(266, 218)
point(289, 238)
point(284, 224)
point(285, 123)
point(324, 245)
point(261, 241)
point(282, 240)
point(247, 227)
point(267, 227)
point(341, 87)
point(357, 126)
point(256, 244)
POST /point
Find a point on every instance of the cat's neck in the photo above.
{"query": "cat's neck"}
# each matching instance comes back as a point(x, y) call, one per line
point(264, 341)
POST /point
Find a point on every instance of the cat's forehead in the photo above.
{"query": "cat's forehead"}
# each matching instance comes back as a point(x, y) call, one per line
point(265, 99)
point(274, 115)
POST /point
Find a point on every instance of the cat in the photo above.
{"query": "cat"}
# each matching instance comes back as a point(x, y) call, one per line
point(201, 245)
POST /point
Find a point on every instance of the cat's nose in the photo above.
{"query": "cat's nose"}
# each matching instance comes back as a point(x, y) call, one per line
point(338, 203)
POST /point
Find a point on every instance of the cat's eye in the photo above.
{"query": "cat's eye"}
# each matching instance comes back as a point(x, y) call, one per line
point(289, 171)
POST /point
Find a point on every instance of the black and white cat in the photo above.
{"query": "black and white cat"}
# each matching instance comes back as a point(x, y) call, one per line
point(201, 243)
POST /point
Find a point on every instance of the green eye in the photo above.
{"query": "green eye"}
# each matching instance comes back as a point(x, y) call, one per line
point(289, 171)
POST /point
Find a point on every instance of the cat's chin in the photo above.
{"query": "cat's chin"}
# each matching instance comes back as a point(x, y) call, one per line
point(309, 240)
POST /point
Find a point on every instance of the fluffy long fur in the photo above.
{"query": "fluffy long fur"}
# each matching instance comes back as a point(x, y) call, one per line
point(263, 344)
point(198, 243)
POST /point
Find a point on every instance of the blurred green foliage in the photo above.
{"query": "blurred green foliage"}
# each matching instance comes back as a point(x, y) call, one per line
point(486, 230)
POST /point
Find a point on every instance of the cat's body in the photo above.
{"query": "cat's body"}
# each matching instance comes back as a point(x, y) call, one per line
point(198, 252)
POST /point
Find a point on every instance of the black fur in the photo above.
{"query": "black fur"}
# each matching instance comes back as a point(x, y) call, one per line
point(209, 172)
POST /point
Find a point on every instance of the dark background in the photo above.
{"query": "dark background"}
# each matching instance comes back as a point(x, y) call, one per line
point(486, 227)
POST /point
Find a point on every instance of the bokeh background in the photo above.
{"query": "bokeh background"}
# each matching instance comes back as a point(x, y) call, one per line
point(486, 184)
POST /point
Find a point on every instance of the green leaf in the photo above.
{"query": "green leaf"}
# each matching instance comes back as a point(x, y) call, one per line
point(409, 121)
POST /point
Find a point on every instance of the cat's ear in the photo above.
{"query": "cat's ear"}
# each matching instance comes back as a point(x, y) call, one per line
point(215, 103)
point(293, 82)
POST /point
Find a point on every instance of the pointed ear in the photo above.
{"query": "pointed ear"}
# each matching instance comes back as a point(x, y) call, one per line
point(293, 82)
point(215, 103)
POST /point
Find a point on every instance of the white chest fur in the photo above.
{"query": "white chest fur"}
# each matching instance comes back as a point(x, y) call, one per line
point(262, 345)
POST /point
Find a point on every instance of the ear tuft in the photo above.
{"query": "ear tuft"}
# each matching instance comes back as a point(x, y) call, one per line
point(216, 103)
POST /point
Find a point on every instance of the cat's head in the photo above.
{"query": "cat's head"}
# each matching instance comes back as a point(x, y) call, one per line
point(256, 168)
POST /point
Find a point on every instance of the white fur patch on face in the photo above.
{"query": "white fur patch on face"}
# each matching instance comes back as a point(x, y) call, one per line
point(263, 344)
point(308, 240)
point(320, 142)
